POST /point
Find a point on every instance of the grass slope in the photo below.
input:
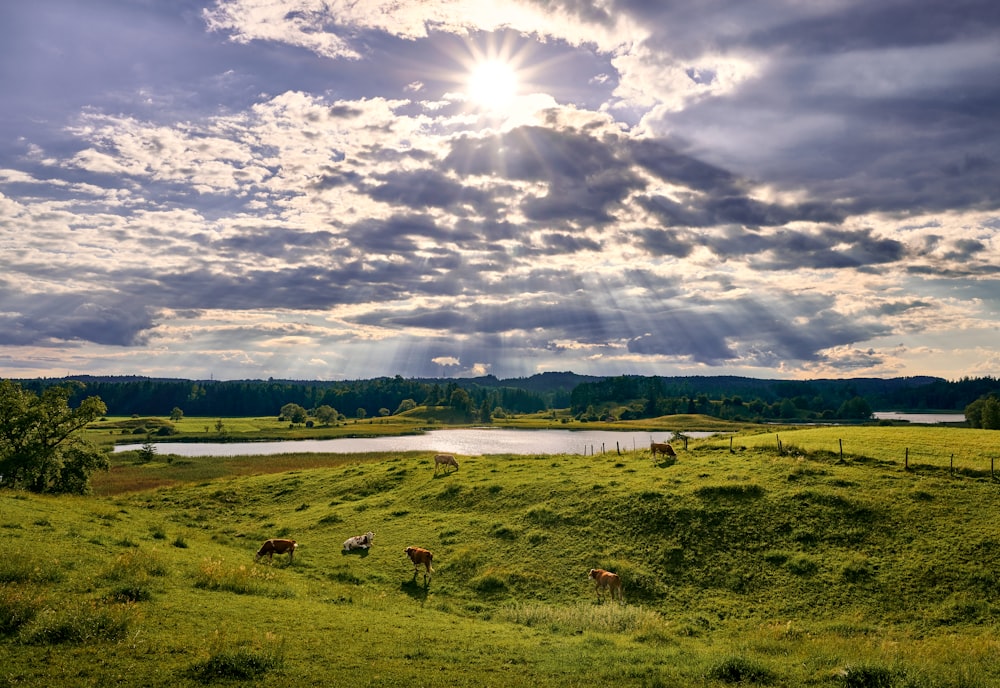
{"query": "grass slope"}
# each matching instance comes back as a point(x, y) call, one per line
point(751, 568)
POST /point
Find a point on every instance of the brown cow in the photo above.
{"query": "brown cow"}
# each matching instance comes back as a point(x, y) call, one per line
point(444, 460)
point(606, 579)
point(277, 546)
point(662, 447)
point(419, 555)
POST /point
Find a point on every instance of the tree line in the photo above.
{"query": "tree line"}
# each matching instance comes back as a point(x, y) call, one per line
point(587, 397)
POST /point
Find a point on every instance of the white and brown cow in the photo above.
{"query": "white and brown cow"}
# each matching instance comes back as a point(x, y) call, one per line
point(360, 541)
point(444, 460)
point(420, 557)
point(612, 582)
point(277, 546)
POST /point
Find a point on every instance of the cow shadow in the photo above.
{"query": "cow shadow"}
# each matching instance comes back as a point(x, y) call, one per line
point(354, 553)
point(415, 588)
point(665, 463)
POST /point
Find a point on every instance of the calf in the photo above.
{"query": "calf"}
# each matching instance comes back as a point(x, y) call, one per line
point(606, 579)
point(360, 541)
point(419, 555)
point(444, 460)
point(277, 546)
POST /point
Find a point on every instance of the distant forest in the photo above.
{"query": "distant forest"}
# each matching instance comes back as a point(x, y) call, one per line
point(586, 397)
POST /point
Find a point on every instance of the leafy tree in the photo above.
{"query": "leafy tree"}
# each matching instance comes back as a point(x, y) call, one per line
point(327, 415)
point(856, 408)
point(176, 414)
point(361, 413)
point(406, 405)
point(41, 449)
point(984, 413)
point(294, 413)
point(460, 401)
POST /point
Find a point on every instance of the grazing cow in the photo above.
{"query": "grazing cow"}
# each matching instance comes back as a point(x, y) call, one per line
point(606, 579)
point(419, 555)
point(444, 460)
point(360, 541)
point(663, 448)
point(277, 546)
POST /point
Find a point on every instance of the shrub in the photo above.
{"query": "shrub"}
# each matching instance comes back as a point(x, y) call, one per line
point(81, 623)
point(17, 608)
point(869, 676)
point(741, 670)
point(239, 661)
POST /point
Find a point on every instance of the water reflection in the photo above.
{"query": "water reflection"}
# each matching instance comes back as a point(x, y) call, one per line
point(464, 441)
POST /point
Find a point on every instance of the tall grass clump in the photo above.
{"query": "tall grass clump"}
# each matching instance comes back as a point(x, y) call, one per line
point(741, 670)
point(214, 574)
point(79, 623)
point(23, 566)
point(870, 676)
point(602, 618)
point(18, 606)
point(237, 660)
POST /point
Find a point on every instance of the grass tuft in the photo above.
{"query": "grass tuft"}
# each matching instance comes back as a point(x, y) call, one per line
point(741, 670)
point(239, 660)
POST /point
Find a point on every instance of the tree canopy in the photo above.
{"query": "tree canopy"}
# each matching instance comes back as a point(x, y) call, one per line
point(41, 449)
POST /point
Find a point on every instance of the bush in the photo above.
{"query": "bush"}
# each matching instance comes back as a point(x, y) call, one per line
point(79, 624)
point(741, 670)
point(17, 608)
point(229, 660)
point(869, 676)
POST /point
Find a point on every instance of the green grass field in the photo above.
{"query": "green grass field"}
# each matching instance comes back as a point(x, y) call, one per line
point(747, 567)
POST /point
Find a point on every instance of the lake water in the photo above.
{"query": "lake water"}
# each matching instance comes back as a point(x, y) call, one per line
point(463, 441)
point(921, 418)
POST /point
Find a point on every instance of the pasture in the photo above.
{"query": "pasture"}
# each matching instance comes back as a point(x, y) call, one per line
point(739, 568)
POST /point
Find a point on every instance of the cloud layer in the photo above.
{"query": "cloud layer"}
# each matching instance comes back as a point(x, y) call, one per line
point(305, 189)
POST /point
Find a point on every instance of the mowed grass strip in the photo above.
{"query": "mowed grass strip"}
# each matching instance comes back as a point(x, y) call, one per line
point(751, 568)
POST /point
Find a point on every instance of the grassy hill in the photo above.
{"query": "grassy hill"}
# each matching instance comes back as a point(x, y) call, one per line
point(791, 569)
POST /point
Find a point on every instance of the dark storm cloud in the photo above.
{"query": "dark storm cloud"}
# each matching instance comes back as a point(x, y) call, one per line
point(427, 188)
point(784, 329)
point(276, 242)
point(103, 319)
point(786, 249)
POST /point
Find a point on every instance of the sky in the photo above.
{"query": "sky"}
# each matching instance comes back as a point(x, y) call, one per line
point(348, 189)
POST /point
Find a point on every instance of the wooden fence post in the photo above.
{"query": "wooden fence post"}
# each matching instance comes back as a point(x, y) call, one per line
point(841, 449)
point(907, 464)
point(951, 470)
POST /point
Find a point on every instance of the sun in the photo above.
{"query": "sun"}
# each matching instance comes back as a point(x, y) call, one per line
point(492, 85)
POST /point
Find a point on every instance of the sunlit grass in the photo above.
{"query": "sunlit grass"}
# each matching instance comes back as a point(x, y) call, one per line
point(770, 569)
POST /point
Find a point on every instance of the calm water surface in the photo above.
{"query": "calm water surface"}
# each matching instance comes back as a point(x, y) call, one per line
point(921, 418)
point(465, 441)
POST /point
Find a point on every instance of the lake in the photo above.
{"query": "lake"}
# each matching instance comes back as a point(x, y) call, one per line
point(921, 418)
point(463, 441)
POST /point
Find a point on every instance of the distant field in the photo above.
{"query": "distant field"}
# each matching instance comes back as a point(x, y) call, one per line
point(931, 446)
point(751, 568)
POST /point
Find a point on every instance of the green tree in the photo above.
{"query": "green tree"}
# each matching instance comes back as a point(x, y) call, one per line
point(176, 414)
point(855, 408)
point(406, 405)
point(294, 413)
point(461, 401)
point(41, 449)
point(327, 415)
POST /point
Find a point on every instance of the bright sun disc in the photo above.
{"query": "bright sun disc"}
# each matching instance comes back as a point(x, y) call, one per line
point(492, 85)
